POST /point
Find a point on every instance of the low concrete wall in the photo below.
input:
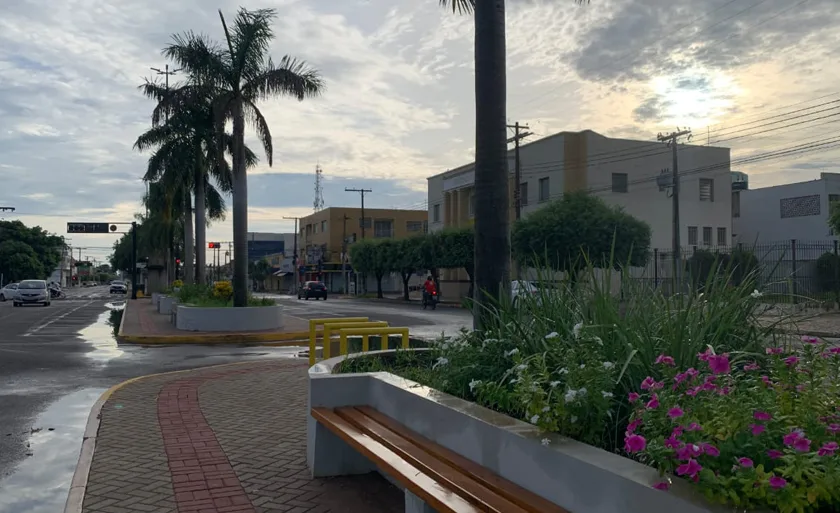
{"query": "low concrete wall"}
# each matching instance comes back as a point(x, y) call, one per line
point(166, 303)
point(156, 298)
point(252, 318)
point(576, 476)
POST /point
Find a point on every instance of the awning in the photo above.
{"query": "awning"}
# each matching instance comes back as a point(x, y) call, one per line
point(280, 274)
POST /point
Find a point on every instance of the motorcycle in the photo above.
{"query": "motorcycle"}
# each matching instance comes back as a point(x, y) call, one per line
point(430, 300)
point(57, 294)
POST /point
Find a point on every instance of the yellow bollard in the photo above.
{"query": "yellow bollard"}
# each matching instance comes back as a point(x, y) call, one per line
point(334, 326)
point(313, 326)
point(365, 332)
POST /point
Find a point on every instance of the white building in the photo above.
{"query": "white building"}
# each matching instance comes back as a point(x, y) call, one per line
point(622, 171)
point(784, 212)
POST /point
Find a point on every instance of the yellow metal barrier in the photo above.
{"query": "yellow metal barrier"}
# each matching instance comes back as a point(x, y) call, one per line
point(366, 332)
point(313, 326)
point(332, 327)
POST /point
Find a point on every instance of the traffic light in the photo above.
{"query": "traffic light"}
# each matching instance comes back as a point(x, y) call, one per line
point(178, 261)
point(214, 245)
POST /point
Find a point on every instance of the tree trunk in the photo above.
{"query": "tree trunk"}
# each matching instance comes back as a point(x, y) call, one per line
point(200, 227)
point(379, 286)
point(240, 210)
point(189, 242)
point(405, 279)
point(492, 245)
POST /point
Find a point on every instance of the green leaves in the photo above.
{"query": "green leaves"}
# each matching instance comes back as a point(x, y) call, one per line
point(28, 253)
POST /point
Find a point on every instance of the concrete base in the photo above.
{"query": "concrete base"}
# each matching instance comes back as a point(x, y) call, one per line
point(331, 456)
point(414, 504)
point(166, 304)
point(156, 298)
point(251, 318)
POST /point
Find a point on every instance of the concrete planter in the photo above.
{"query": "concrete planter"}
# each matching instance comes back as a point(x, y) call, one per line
point(166, 303)
point(576, 476)
point(252, 318)
point(156, 298)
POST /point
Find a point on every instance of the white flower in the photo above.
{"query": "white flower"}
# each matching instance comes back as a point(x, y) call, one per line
point(562, 371)
point(570, 395)
point(554, 384)
point(582, 391)
point(474, 383)
point(574, 419)
point(511, 352)
point(440, 362)
point(491, 340)
point(609, 365)
point(553, 334)
point(546, 409)
point(576, 329)
point(756, 294)
point(514, 381)
point(521, 367)
point(534, 419)
point(583, 366)
point(545, 442)
point(598, 340)
point(607, 395)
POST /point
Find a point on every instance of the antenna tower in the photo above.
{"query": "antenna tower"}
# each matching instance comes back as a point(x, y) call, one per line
point(319, 189)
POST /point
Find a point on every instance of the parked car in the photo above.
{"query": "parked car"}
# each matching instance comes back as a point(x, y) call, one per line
point(118, 287)
point(8, 292)
point(314, 289)
point(32, 292)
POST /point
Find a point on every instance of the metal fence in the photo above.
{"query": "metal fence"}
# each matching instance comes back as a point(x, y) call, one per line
point(790, 271)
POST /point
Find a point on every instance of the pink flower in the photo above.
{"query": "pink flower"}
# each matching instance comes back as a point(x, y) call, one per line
point(692, 372)
point(828, 449)
point(634, 443)
point(745, 462)
point(677, 431)
point(719, 364)
point(761, 415)
point(757, 429)
point(751, 367)
point(633, 397)
point(647, 383)
point(766, 380)
point(790, 361)
point(689, 468)
point(711, 450)
point(790, 438)
point(802, 444)
point(773, 454)
point(633, 426)
point(774, 350)
point(724, 391)
point(777, 482)
point(704, 356)
point(833, 428)
point(675, 412)
point(672, 443)
point(834, 350)
point(653, 403)
point(662, 485)
point(693, 391)
point(689, 451)
point(694, 427)
point(665, 360)
point(810, 340)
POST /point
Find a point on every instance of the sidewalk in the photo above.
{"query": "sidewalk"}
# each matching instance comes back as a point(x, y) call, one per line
point(222, 439)
point(142, 324)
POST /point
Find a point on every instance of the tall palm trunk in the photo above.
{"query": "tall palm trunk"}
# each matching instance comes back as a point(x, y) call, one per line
point(492, 245)
point(240, 209)
point(200, 227)
point(189, 243)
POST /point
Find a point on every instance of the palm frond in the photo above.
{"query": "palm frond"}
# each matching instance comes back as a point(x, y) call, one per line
point(251, 37)
point(153, 137)
point(214, 204)
point(459, 6)
point(290, 77)
point(256, 119)
point(203, 59)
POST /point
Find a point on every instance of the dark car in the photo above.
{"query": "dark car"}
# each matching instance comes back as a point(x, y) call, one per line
point(314, 289)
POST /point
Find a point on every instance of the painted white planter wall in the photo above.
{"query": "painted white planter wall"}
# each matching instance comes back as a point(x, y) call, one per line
point(166, 303)
point(252, 318)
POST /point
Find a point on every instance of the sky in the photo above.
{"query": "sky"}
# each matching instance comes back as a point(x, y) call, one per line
point(399, 105)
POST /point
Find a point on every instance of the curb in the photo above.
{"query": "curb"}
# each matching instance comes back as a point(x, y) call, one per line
point(78, 485)
point(400, 301)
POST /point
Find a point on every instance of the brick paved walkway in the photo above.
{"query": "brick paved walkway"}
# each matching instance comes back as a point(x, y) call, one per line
point(221, 439)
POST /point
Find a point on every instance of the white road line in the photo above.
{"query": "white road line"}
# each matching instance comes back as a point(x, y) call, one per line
point(36, 329)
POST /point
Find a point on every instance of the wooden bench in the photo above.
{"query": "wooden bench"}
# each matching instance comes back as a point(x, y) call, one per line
point(443, 479)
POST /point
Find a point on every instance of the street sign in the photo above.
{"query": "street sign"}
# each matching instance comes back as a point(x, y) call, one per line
point(91, 228)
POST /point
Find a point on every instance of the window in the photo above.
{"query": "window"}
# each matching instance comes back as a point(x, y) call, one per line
point(315, 228)
point(383, 228)
point(470, 204)
point(523, 194)
point(413, 226)
point(619, 182)
point(544, 191)
point(722, 237)
point(833, 198)
point(799, 206)
point(707, 189)
point(323, 227)
point(436, 213)
point(736, 204)
point(692, 235)
point(707, 235)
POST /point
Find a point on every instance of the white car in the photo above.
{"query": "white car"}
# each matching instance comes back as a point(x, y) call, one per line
point(32, 292)
point(8, 292)
point(118, 287)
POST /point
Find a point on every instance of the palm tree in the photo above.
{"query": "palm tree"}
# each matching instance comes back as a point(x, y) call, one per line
point(492, 221)
point(239, 74)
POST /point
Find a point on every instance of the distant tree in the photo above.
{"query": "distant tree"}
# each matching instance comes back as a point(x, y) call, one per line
point(259, 271)
point(18, 261)
point(406, 259)
point(567, 232)
point(372, 257)
point(430, 253)
point(46, 247)
point(457, 251)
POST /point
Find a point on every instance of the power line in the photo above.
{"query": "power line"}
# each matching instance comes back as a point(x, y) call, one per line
point(362, 192)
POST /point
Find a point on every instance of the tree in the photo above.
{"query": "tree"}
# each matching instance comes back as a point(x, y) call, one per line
point(260, 270)
point(373, 257)
point(18, 261)
point(406, 259)
point(457, 251)
point(238, 75)
point(46, 247)
point(567, 232)
point(429, 255)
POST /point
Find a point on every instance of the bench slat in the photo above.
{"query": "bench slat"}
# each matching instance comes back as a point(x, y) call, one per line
point(455, 479)
point(409, 476)
point(511, 491)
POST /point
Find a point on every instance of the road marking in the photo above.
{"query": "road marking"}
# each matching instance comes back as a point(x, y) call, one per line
point(36, 329)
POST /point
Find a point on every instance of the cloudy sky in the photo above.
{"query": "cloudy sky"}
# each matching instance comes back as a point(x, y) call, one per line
point(399, 100)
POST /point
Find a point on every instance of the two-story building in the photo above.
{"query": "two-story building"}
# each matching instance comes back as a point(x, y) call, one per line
point(628, 173)
point(322, 237)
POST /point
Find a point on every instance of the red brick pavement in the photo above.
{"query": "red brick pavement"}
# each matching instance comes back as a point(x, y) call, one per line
point(219, 440)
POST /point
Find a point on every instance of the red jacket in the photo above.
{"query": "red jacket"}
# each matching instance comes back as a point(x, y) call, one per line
point(429, 286)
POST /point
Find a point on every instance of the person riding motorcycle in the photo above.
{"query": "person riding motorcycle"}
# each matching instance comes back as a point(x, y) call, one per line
point(429, 290)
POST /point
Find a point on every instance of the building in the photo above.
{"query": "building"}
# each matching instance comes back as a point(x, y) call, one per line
point(322, 236)
point(785, 212)
point(623, 172)
point(278, 250)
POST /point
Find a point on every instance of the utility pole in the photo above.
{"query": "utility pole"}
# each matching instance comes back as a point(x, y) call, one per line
point(517, 193)
point(362, 192)
point(133, 260)
point(295, 255)
point(671, 139)
point(344, 256)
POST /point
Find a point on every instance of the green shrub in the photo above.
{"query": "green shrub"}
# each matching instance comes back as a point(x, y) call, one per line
point(828, 272)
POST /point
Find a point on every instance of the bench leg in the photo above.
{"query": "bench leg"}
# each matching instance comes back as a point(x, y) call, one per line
point(328, 455)
point(414, 504)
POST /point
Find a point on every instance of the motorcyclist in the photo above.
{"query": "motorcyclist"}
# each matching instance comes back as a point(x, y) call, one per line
point(429, 290)
point(55, 290)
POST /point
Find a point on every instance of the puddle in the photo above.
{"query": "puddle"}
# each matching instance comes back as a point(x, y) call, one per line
point(100, 334)
point(41, 482)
